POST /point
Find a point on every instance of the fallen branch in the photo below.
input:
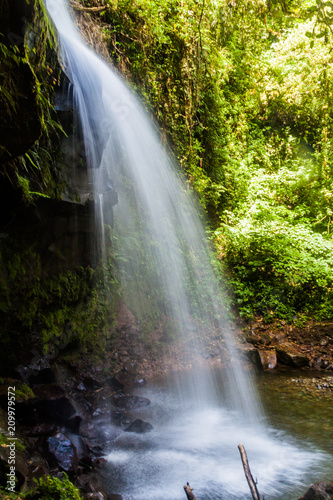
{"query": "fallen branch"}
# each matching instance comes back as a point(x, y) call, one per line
point(188, 491)
point(252, 484)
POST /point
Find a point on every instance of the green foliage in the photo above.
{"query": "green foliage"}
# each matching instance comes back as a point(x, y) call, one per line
point(52, 488)
point(322, 27)
point(243, 92)
point(280, 269)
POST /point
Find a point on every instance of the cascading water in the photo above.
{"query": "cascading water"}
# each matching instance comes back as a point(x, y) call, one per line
point(166, 271)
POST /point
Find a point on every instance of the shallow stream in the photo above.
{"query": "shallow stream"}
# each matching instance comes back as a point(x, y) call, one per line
point(291, 447)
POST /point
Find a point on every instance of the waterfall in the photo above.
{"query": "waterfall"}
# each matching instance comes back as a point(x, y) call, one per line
point(165, 258)
point(166, 265)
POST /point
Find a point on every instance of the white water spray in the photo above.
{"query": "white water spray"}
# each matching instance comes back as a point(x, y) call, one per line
point(165, 262)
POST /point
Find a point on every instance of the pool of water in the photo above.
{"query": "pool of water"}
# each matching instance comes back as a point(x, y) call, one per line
point(289, 448)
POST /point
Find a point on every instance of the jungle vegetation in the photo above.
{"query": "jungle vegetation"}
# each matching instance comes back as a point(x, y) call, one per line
point(242, 91)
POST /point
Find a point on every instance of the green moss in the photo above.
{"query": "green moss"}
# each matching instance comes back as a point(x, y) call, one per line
point(33, 65)
point(52, 488)
point(23, 392)
point(72, 307)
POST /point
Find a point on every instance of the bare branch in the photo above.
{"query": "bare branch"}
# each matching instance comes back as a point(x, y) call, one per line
point(188, 491)
point(248, 475)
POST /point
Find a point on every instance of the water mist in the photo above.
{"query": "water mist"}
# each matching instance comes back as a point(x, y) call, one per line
point(167, 274)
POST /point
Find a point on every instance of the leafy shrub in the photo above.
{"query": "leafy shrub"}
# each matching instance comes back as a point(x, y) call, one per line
point(280, 269)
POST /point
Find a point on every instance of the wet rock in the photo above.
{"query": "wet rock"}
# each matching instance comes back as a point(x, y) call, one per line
point(117, 417)
point(139, 426)
point(287, 354)
point(82, 449)
point(268, 359)
point(250, 352)
point(130, 367)
point(62, 452)
point(141, 382)
point(115, 497)
point(319, 491)
point(95, 496)
point(124, 379)
point(263, 359)
point(38, 466)
point(116, 385)
point(252, 338)
point(125, 402)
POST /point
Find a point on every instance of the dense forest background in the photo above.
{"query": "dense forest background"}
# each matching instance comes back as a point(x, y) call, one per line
point(242, 91)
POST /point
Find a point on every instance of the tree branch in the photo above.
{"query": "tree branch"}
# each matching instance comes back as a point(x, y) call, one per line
point(188, 491)
point(248, 475)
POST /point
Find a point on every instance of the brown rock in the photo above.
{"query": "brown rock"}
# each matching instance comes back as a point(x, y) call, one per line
point(268, 359)
point(252, 338)
point(279, 338)
point(125, 379)
point(263, 359)
point(266, 337)
point(288, 355)
point(319, 491)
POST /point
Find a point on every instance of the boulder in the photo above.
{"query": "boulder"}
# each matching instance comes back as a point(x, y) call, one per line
point(268, 359)
point(252, 338)
point(124, 380)
point(279, 338)
point(288, 355)
point(139, 426)
point(62, 452)
point(265, 359)
point(319, 491)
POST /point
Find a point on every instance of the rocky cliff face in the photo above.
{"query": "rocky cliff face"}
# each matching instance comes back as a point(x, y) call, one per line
point(48, 253)
point(20, 109)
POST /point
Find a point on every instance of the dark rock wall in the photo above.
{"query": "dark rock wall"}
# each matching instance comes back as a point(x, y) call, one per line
point(20, 125)
point(50, 286)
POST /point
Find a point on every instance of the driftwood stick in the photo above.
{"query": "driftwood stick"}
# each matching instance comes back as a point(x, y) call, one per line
point(252, 484)
point(188, 491)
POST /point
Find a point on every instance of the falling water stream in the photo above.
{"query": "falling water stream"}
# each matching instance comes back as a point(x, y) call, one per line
point(168, 279)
